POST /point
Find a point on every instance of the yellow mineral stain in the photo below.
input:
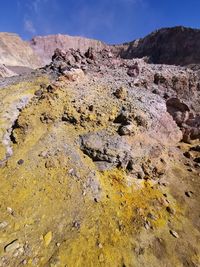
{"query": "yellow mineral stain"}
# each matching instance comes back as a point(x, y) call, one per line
point(45, 196)
point(47, 238)
point(113, 223)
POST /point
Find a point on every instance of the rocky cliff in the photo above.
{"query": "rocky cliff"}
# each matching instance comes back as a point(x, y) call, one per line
point(44, 46)
point(18, 56)
point(15, 52)
point(178, 46)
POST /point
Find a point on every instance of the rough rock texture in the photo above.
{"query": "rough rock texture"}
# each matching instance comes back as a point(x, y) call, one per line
point(179, 46)
point(44, 46)
point(169, 82)
point(15, 52)
point(93, 170)
point(176, 46)
point(5, 72)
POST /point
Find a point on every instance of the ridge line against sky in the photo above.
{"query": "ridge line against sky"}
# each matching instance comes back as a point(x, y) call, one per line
point(112, 21)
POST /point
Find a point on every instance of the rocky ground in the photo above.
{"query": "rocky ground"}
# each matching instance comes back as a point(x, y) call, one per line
point(174, 46)
point(100, 164)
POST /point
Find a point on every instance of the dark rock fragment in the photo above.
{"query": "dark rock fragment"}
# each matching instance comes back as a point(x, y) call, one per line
point(20, 162)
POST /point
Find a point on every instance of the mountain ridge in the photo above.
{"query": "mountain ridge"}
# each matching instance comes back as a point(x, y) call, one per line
point(171, 45)
point(44, 46)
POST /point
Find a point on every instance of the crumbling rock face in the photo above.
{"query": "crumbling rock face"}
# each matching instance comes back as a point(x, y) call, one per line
point(133, 70)
point(185, 119)
point(108, 151)
point(174, 46)
point(15, 52)
point(170, 82)
point(102, 147)
point(64, 61)
point(45, 46)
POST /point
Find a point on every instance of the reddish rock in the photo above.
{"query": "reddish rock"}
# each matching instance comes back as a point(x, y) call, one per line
point(44, 46)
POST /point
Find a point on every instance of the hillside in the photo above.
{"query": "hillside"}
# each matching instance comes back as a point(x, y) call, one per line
point(99, 164)
point(16, 52)
point(18, 56)
point(174, 46)
point(44, 46)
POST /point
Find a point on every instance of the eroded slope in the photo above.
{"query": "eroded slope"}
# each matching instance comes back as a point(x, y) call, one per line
point(16, 52)
point(97, 176)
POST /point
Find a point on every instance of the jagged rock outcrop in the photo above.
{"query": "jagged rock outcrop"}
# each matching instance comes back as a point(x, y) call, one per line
point(188, 121)
point(19, 56)
point(178, 46)
point(174, 46)
point(44, 46)
point(16, 52)
point(169, 82)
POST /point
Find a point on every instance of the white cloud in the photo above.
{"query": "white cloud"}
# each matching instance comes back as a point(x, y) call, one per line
point(29, 27)
point(37, 3)
point(33, 5)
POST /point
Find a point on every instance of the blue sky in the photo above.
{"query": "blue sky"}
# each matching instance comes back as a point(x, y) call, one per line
point(112, 21)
